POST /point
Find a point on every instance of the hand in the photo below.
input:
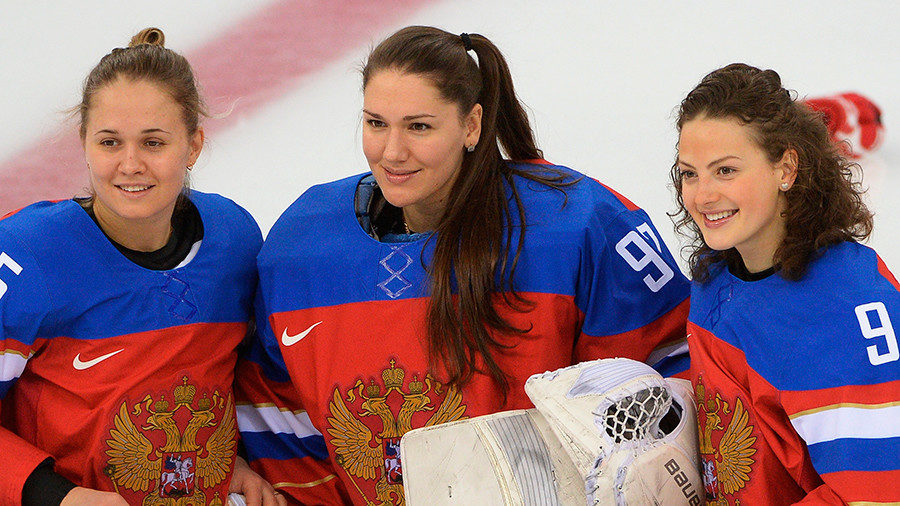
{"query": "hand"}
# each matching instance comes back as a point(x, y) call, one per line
point(256, 490)
point(89, 497)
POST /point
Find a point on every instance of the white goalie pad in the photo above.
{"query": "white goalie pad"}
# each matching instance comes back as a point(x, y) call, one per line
point(631, 434)
point(604, 432)
point(507, 458)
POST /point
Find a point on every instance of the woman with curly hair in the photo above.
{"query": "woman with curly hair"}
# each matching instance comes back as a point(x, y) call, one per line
point(794, 356)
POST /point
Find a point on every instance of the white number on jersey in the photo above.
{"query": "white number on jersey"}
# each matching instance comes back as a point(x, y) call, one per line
point(883, 329)
point(6, 261)
point(648, 256)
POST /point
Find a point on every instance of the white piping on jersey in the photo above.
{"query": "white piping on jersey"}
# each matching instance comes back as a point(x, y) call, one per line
point(271, 419)
point(671, 350)
point(191, 254)
point(855, 422)
point(12, 363)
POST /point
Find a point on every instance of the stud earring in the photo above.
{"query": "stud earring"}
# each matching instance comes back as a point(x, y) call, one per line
point(471, 148)
point(784, 187)
point(190, 167)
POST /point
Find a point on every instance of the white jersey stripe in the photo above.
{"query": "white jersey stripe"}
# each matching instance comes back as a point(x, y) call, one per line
point(674, 349)
point(11, 365)
point(271, 419)
point(848, 422)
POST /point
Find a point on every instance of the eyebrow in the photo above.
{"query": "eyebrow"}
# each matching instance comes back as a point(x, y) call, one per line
point(714, 162)
point(405, 118)
point(147, 131)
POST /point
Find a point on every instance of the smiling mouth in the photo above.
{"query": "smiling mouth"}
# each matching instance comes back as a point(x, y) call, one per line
point(133, 188)
point(720, 216)
point(395, 172)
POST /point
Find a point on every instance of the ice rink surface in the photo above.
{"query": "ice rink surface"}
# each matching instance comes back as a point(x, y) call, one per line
point(601, 80)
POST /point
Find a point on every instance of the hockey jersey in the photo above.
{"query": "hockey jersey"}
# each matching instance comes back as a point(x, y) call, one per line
point(341, 370)
point(122, 374)
point(798, 383)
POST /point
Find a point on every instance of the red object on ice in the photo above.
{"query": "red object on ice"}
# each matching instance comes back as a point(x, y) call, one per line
point(853, 118)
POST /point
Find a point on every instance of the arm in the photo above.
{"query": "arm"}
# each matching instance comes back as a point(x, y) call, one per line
point(633, 295)
point(851, 431)
point(282, 444)
point(22, 299)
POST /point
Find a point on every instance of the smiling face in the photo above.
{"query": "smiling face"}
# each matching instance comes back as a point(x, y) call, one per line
point(732, 190)
point(138, 148)
point(414, 141)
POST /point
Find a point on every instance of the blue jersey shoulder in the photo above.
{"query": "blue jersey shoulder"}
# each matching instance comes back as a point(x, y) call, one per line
point(811, 333)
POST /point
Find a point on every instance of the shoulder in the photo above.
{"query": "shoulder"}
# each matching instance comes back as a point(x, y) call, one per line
point(850, 269)
point(580, 198)
point(33, 240)
point(223, 214)
point(43, 225)
point(581, 205)
point(583, 192)
point(322, 203)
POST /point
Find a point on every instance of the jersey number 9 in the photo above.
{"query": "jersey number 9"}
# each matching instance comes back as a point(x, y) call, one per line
point(883, 329)
point(647, 256)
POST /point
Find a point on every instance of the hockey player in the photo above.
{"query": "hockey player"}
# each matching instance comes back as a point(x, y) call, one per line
point(431, 288)
point(794, 355)
point(120, 313)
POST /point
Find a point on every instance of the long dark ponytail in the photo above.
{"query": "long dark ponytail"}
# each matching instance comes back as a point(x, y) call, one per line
point(475, 233)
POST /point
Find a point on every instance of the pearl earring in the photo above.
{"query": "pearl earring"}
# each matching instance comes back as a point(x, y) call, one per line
point(784, 187)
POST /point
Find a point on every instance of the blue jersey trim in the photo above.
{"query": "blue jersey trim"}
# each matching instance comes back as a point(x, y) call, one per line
point(856, 455)
point(282, 446)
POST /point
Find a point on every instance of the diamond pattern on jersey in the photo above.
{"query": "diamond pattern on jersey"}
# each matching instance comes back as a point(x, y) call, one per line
point(395, 263)
point(180, 292)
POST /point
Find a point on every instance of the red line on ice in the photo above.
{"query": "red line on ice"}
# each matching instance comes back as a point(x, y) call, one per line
point(249, 64)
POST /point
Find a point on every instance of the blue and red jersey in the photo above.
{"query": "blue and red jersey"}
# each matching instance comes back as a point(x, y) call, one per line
point(798, 383)
point(341, 370)
point(122, 374)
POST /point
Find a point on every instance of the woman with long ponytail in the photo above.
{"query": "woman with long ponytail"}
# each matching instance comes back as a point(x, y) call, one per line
point(431, 287)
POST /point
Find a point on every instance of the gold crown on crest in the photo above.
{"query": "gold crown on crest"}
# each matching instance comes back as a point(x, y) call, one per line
point(184, 394)
point(393, 377)
point(373, 390)
point(415, 386)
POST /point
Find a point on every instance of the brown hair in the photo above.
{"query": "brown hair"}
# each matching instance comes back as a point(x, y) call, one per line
point(824, 205)
point(147, 59)
point(472, 240)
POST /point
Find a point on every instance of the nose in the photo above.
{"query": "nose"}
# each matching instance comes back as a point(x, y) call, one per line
point(395, 146)
point(705, 192)
point(131, 162)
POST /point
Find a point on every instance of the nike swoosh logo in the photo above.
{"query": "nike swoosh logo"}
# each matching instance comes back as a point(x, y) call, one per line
point(289, 340)
point(78, 364)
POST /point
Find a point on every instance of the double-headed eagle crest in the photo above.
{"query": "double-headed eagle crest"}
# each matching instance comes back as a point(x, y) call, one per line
point(727, 466)
point(369, 456)
point(174, 467)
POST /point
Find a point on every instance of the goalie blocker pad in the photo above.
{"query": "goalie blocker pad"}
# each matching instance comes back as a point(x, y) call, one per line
point(603, 432)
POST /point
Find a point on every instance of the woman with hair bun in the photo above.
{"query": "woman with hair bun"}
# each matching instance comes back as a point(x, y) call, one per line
point(430, 288)
point(121, 312)
point(794, 354)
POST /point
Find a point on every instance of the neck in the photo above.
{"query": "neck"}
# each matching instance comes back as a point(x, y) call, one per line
point(418, 221)
point(149, 234)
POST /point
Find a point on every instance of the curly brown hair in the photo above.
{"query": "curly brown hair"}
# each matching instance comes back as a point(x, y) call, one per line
point(824, 205)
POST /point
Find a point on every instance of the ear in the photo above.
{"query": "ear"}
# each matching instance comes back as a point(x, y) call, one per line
point(787, 167)
point(472, 123)
point(196, 143)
